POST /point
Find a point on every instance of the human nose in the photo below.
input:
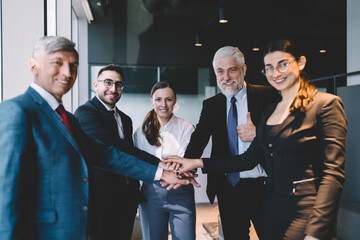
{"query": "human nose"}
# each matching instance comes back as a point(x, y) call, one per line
point(226, 75)
point(112, 87)
point(66, 70)
point(275, 72)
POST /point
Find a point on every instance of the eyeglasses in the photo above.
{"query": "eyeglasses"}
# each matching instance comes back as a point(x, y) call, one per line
point(108, 83)
point(281, 67)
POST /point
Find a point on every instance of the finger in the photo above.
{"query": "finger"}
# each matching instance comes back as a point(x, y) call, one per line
point(248, 117)
point(186, 174)
point(190, 175)
point(183, 181)
point(171, 186)
point(176, 186)
point(171, 157)
point(176, 166)
point(163, 183)
point(172, 166)
point(195, 183)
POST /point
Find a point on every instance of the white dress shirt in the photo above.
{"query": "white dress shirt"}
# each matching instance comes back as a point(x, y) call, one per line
point(50, 99)
point(175, 136)
point(117, 118)
point(242, 109)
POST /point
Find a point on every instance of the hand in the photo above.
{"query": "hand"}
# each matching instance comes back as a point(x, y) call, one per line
point(308, 237)
point(247, 131)
point(186, 164)
point(189, 175)
point(171, 178)
point(171, 166)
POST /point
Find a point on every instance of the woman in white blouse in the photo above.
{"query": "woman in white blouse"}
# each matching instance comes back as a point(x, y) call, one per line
point(163, 134)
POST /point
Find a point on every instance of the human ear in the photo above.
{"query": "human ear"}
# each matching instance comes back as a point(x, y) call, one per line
point(95, 84)
point(33, 66)
point(302, 62)
point(244, 68)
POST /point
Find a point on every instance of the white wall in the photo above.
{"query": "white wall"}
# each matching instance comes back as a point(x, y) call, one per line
point(21, 27)
point(353, 36)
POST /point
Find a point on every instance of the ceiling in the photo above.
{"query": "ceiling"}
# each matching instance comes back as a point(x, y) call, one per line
point(312, 22)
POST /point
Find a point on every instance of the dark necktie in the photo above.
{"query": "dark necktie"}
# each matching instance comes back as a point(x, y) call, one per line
point(121, 135)
point(61, 111)
point(233, 178)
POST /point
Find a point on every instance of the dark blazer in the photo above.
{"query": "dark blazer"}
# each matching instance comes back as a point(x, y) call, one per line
point(97, 122)
point(114, 197)
point(308, 145)
point(44, 172)
point(212, 123)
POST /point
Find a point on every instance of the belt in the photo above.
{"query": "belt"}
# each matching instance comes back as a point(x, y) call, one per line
point(252, 180)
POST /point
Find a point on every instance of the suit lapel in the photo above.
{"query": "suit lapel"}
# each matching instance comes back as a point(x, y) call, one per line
point(219, 113)
point(284, 125)
point(52, 117)
point(107, 116)
point(249, 95)
point(127, 128)
point(260, 133)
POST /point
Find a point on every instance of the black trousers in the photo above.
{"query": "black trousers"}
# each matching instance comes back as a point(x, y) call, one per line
point(113, 208)
point(240, 204)
point(286, 217)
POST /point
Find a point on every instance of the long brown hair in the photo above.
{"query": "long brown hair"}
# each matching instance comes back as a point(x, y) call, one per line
point(151, 124)
point(306, 90)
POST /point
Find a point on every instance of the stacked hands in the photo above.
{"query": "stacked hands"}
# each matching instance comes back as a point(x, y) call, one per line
point(182, 166)
point(180, 169)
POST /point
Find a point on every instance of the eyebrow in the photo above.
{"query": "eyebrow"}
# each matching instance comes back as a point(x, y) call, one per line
point(278, 62)
point(113, 80)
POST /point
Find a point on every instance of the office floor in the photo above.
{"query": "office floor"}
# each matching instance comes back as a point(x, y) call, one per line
point(206, 224)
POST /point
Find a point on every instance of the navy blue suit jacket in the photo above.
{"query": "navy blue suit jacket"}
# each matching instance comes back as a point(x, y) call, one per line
point(44, 189)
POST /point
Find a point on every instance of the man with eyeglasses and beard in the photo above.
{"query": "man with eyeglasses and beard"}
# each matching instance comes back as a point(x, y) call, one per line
point(114, 197)
point(239, 195)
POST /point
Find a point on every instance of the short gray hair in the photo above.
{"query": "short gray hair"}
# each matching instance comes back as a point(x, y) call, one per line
point(230, 51)
point(51, 44)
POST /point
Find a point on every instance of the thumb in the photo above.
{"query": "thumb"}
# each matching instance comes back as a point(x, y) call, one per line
point(248, 118)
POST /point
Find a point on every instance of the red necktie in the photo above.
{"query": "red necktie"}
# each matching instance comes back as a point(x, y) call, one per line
point(61, 111)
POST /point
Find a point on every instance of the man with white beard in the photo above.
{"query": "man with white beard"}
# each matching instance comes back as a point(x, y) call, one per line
point(230, 118)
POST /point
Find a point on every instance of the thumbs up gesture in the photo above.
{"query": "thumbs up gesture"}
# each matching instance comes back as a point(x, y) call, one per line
point(247, 131)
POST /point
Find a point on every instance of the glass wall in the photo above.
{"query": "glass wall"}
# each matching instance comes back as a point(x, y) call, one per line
point(1, 76)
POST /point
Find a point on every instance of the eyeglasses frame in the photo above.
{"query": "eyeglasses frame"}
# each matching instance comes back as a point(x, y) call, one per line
point(112, 83)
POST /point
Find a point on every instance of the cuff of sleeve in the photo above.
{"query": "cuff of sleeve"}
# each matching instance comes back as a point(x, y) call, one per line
point(158, 174)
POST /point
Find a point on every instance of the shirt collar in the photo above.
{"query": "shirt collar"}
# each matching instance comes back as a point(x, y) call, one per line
point(239, 94)
point(169, 124)
point(106, 106)
point(50, 99)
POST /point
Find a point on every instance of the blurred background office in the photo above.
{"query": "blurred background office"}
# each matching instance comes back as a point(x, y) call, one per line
point(174, 41)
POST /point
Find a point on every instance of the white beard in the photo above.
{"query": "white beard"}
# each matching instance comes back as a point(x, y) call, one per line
point(229, 92)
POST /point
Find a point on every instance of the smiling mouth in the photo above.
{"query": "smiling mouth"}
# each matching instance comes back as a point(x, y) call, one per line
point(228, 82)
point(279, 80)
point(63, 81)
point(112, 95)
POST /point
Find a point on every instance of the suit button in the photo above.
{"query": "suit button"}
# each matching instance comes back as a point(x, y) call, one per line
point(271, 154)
point(270, 145)
point(84, 179)
point(85, 208)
